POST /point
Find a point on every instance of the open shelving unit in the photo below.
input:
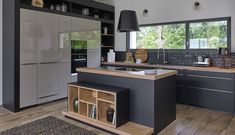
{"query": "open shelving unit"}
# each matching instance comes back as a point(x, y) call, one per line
point(103, 97)
point(94, 101)
point(104, 12)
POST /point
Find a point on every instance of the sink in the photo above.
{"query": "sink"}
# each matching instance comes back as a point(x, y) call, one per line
point(130, 69)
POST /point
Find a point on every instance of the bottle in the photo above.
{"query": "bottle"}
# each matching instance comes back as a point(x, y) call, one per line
point(111, 56)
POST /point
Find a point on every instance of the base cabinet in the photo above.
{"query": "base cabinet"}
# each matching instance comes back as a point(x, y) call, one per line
point(212, 90)
point(48, 82)
point(28, 87)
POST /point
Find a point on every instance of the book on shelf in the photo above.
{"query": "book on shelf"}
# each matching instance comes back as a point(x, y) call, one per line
point(114, 118)
point(93, 112)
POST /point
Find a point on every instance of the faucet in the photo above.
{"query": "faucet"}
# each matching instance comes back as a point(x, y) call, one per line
point(164, 55)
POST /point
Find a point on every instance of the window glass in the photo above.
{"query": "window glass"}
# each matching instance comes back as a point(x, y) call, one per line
point(208, 35)
point(170, 36)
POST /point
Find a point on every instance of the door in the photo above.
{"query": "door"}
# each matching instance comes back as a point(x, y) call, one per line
point(48, 37)
point(64, 38)
point(48, 81)
point(64, 78)
point(88, 31)
point(28, 58)
point(28, 85)
point(28, 36)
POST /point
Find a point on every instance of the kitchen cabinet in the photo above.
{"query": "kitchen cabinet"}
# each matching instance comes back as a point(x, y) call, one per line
point(93, 58)
point(48, 82)
point(64, 78)
point(64, 41)
point(48, 37)
point(28, 85)
point(212, 90)
point(28, 36)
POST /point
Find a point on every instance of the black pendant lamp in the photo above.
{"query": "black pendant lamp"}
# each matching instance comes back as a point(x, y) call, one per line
point(128, 21)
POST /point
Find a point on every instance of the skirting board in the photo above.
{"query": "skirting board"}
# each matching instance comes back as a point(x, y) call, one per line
point(129, 128)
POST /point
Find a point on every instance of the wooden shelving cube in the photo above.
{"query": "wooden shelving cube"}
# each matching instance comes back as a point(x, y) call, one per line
point(104, 96)
point(83, 109)
point(91, 114)
point(88, 95)
point(72, 94)
point(102, 111)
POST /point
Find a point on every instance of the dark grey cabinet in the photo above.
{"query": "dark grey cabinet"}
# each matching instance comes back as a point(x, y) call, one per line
point(212, 90)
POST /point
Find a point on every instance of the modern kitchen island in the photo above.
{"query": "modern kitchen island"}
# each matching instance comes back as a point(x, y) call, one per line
point(152, 97)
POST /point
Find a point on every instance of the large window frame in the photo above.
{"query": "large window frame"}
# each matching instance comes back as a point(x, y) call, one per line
point(187, 37)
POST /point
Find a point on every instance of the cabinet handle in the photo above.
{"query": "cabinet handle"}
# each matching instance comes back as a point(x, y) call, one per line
point(48, 96)
point(25, 64)
point(207, 89)
point(48, 62)
point(210, 77)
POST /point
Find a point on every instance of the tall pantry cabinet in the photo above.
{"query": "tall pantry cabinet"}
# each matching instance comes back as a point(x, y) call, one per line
point(45, 57)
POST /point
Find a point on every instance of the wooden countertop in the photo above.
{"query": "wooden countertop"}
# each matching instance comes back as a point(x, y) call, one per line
point(161, 73)
point(210, 69)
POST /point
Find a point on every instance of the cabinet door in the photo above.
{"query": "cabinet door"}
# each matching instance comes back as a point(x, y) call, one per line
point(65, 45)
point(64, 78)
point(28, 35)
point(87, 30)
point(28, 85)
point(48, 37)
point(93, 58)
point(48, 81)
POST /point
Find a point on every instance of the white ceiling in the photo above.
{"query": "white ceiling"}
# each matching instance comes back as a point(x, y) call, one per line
point(109, 2)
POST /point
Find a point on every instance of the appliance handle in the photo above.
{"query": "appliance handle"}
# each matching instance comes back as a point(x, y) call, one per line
point(80, 59)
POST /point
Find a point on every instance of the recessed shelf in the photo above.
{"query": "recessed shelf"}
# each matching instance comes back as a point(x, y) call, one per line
point(87, 95)
point(73, 94)
point(107, 46)
point(103, 96)
point(110, 35)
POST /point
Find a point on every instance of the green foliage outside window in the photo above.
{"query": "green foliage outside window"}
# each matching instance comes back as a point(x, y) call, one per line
point(206, 35)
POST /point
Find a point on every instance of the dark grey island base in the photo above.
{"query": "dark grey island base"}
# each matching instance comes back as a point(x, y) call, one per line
point(152, 102)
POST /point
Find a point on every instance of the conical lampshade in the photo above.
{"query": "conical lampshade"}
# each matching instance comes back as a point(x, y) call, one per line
point(128, 21)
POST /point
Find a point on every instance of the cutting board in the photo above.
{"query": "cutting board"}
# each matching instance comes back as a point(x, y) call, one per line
point(141, 54)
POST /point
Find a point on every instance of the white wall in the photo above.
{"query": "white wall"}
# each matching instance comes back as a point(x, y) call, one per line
point(0, 52)
point(174, 10)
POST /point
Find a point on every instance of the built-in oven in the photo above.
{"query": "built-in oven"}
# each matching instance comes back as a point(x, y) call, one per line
point(78, 54)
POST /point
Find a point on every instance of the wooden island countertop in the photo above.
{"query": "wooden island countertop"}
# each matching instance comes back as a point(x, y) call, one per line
point(161, 73)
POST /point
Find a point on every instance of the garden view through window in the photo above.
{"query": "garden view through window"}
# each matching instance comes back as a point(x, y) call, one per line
point(201, 35)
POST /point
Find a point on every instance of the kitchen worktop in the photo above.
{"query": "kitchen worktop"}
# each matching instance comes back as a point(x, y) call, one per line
point(176, 67)
point(138, 73)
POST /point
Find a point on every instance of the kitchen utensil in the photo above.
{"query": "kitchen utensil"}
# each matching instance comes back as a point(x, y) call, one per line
point(141, 54)
point(223, 51)
point(129, 56)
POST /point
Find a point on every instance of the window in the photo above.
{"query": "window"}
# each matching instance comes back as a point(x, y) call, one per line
point(199, 34)
point(207, 35)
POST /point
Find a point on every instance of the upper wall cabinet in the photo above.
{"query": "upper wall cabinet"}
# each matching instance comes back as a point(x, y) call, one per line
point(48, 33)
point(28, 26)
point(87, 30)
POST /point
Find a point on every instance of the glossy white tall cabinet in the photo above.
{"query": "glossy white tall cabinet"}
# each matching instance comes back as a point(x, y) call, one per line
point(28, 58)
point(48, 53)
point(64, 55)
point(88, 30)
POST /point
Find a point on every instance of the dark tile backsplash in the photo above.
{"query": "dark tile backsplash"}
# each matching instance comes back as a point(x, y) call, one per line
point(180, 57)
